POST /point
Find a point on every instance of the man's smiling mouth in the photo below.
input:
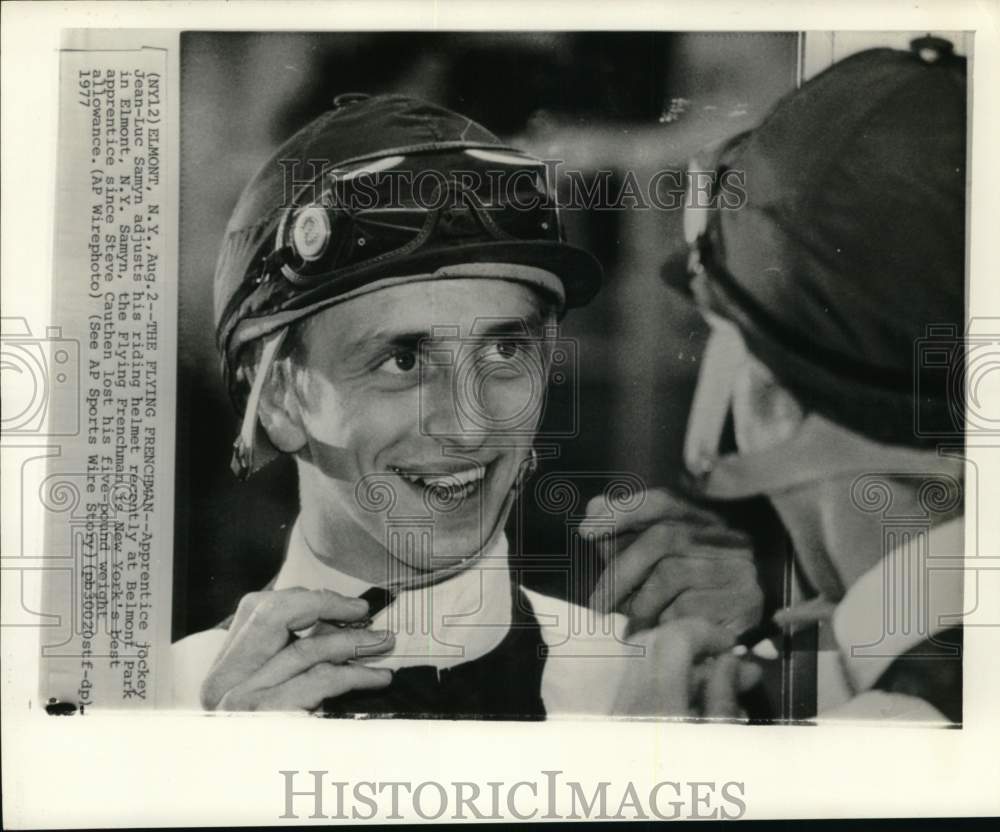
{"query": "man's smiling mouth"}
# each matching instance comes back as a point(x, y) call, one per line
point(450, 487)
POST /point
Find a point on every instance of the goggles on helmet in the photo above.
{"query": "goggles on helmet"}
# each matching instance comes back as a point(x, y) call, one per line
point(398, 206)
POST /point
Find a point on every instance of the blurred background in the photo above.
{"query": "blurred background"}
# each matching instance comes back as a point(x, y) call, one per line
point(638, 102)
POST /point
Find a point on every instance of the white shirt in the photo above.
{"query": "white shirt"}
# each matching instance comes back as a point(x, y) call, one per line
point(913, 593)
point(454, 621)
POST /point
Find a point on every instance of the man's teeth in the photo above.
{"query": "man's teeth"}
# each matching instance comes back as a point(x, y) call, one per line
point(459, 479)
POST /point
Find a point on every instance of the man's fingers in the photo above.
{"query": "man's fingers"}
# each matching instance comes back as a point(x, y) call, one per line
point(653, 685)
point(727, 677)
point(679, 645)
point(674, 577)
point(267, 622)
point(308, 690)
point(668, 556)
point(604, 543)
point(272, 616)
point(626, 572)
point(335, 648)
point(699, 637)
point(665, 680)
point(721, 690)
point(725, 539)
point(807, 613)
point(657, 504)
point(321, 681)
point(749, 676)
point(299, 609)
point(668, 671)
point(248, 603)
point(661, 586)
point(737, 608)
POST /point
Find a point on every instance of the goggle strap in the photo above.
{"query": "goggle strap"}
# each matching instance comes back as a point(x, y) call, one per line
point(796, 462)
point(242, 462)
point(724, 357)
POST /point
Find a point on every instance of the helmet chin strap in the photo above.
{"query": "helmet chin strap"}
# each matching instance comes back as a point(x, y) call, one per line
point(430, 577)
point(243, 462)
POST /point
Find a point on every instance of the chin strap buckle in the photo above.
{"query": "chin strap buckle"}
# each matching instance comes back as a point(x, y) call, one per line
point(242, 460)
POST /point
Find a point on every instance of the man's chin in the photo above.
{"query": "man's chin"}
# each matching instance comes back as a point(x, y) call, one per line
point(438, 539)
point(442, 550)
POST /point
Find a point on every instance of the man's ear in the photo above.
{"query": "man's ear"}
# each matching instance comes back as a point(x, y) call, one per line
point(765, 414)
point(280, 408)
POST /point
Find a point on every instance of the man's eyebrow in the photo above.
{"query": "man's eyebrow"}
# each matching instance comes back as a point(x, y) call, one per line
point(528, 325)
point(377, 339)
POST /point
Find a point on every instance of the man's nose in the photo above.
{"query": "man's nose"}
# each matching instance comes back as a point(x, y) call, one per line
point(456, 408)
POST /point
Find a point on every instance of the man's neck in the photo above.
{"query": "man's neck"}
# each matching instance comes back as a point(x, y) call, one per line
point(859, 536)
point(343, 545)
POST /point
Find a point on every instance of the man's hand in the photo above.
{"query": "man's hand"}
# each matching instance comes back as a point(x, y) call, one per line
point(262, 665)
point(687, 670)
point(669, 559)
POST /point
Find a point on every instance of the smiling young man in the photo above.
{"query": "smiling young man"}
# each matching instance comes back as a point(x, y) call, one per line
point(387, 322)
point(374, 408)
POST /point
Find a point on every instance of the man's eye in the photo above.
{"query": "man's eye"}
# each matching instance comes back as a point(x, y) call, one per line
point(501, 350)
point(403, 361)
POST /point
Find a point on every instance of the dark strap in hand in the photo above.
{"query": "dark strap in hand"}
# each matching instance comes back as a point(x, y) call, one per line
point(378, 599)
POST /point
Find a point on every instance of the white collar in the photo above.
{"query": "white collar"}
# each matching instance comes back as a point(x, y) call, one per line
point(445, 624)
point(913, 594)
